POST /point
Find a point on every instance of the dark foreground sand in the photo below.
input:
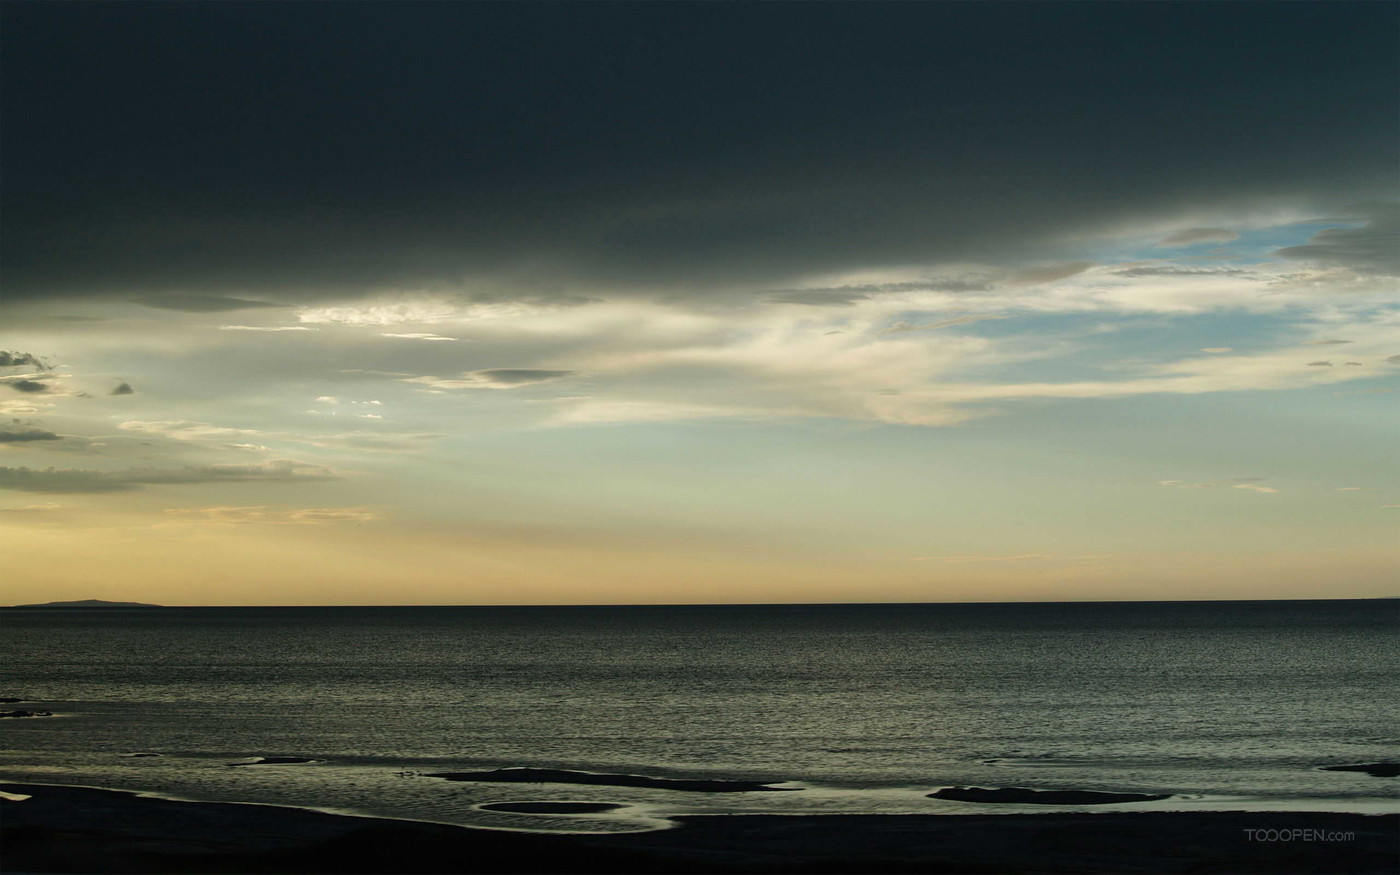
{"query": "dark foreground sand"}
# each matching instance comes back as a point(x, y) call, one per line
point(68, 829)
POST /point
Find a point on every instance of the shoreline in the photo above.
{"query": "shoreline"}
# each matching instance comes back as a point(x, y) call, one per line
point(63, 828)
point(659, 815)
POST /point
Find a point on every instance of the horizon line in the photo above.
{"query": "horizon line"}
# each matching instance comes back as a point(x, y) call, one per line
point(733, 604)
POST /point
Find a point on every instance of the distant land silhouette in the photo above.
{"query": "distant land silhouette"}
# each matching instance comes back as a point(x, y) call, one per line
point(90, 603)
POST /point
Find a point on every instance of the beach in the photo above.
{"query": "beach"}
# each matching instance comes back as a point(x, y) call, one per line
point(51, 828)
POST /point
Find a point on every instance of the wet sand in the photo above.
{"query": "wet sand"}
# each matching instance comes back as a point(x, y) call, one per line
point(566, 776)
point(1022, 795)
point(70, 829)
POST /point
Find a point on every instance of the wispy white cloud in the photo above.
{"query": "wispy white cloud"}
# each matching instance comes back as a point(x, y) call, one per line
point(185, 430)
point(271, 515)
point(420, 336)
point(11, 406)
point(901, 327)
point(421, 310)
point(383, 442)
point(1232, 483)
point(31, 509)
point(425, 311)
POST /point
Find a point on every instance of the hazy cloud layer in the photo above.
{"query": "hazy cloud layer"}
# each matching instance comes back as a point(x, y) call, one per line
point(495, 378)
point(1193, 236)
point(186, 430)
point(1233, 483)
point(269, 515)
point(379, 442)
point(821, 297)
point(1177, 270)
point(30, 509)
point(201, 303)
point(77, 480)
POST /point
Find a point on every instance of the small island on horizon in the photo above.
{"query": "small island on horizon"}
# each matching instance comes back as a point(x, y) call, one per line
point(90, 603)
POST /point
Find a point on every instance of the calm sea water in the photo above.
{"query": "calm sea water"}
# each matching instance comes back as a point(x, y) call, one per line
point(866, 707)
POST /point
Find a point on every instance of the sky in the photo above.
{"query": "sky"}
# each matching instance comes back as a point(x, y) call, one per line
point(576, 303)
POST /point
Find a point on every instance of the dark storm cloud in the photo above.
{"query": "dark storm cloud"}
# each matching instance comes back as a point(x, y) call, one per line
point(305, 150)
point(58, 480)
point(123, 389)
point(10, 359)
point(201, 303)
point(1374, 248)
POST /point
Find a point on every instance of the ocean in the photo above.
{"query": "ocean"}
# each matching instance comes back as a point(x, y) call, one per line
point(860, 708)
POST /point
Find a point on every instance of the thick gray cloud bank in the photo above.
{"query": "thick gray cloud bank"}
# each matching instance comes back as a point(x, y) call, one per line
point(216, 154)
point(1373, 248)
point(72, 480)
